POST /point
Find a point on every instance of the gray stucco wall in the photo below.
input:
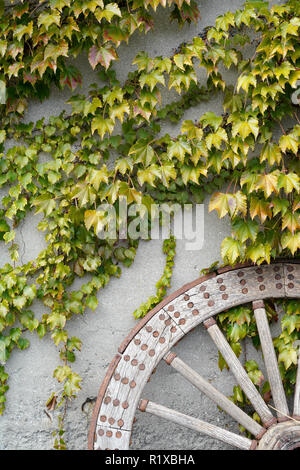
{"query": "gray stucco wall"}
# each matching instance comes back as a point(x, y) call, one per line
point(24, 424)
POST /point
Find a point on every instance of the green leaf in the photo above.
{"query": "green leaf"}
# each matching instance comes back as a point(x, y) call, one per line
point(92, 302)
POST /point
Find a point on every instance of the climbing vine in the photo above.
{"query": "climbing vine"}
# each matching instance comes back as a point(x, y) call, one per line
point(108, 148)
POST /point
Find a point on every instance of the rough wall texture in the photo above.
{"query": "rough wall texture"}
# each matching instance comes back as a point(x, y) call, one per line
point(25, 424)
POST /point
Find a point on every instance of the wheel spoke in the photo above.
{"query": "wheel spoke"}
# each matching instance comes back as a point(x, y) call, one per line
point(211, 392)
point(270, 360)
point(197, 425)
point(296, 411)
point(239, 372)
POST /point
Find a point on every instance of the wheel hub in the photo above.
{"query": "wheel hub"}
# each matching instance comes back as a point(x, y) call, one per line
point(282, 436)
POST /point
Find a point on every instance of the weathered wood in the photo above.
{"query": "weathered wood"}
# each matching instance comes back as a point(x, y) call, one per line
point(211, 392)
point(296, 410)
point(141, 356)
point(270, 359)
point(183, 310)
point(241, 375)
point(200, 426)
point(284, 436)
point(292, 280)
point(225, 291)
point(109, 438)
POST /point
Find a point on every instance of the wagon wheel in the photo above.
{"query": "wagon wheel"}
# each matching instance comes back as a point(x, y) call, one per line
point(152, 340)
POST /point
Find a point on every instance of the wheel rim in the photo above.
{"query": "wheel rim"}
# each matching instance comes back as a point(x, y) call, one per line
point(153, 338)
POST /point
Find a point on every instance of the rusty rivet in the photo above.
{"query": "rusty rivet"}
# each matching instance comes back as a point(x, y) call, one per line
point(181, 321)
point(149, 328)
point(277, 277)
point(290, 285)
point(278, 285)
point(132, 384)
point(142, 366)
point(171, 308)
point(290, 277)
point(162, 340)
point(243, 282)
point(173, 329)
point(260, 278)
point(117, 376)
point(120, 423)
point(108, 433)
point(125, 380)
point(190, 305)
point(186, 297)
point(253, 445)
point(202, 288)
point(206, 295)
point(170, 358)
point(161, 316)
point(290, 269)
point(116, 402)
point(210, 303)
point(134, 362)
point(100, 432)
point(111, 421)
point(195, 312)
point(225, 296)
point(107, 400)
point(144, 347)
point(176, 314)
point(262, 287)
point(222, 288)
point(168, 322)
point(118, 434)
point(155, 334)
point(219, 280)
point(125, 405)
point(143, 405)
point(137, 341)
point(258, 304)
point(209, 322)
point(245, 290)
point(103, 418)
point(126, 358)
point(259, 271)
point(151, 352)
point(276, 269)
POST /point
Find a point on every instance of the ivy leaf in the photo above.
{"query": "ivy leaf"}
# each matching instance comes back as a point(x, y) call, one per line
point(92, 302)
point(271, 152)
point(45, 203)
point(143, 152)
point(56, 320)
point(210, 119)
point(291, 241)
point(289, 182)
point(178, 149)
point(288, 142)
point(231, 250)
point(245, 128)
point(245, 229)
point(48, 19)
point(103, 55)
point(288, 356)
point(110, 10)
point(102, 125)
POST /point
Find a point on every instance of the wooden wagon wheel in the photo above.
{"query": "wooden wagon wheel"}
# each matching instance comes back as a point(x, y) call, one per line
point(152, 340)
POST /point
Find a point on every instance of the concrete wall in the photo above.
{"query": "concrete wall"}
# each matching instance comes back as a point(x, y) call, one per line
point(24, 424)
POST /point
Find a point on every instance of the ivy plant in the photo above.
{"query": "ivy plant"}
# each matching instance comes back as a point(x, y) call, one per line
point(245, 159)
